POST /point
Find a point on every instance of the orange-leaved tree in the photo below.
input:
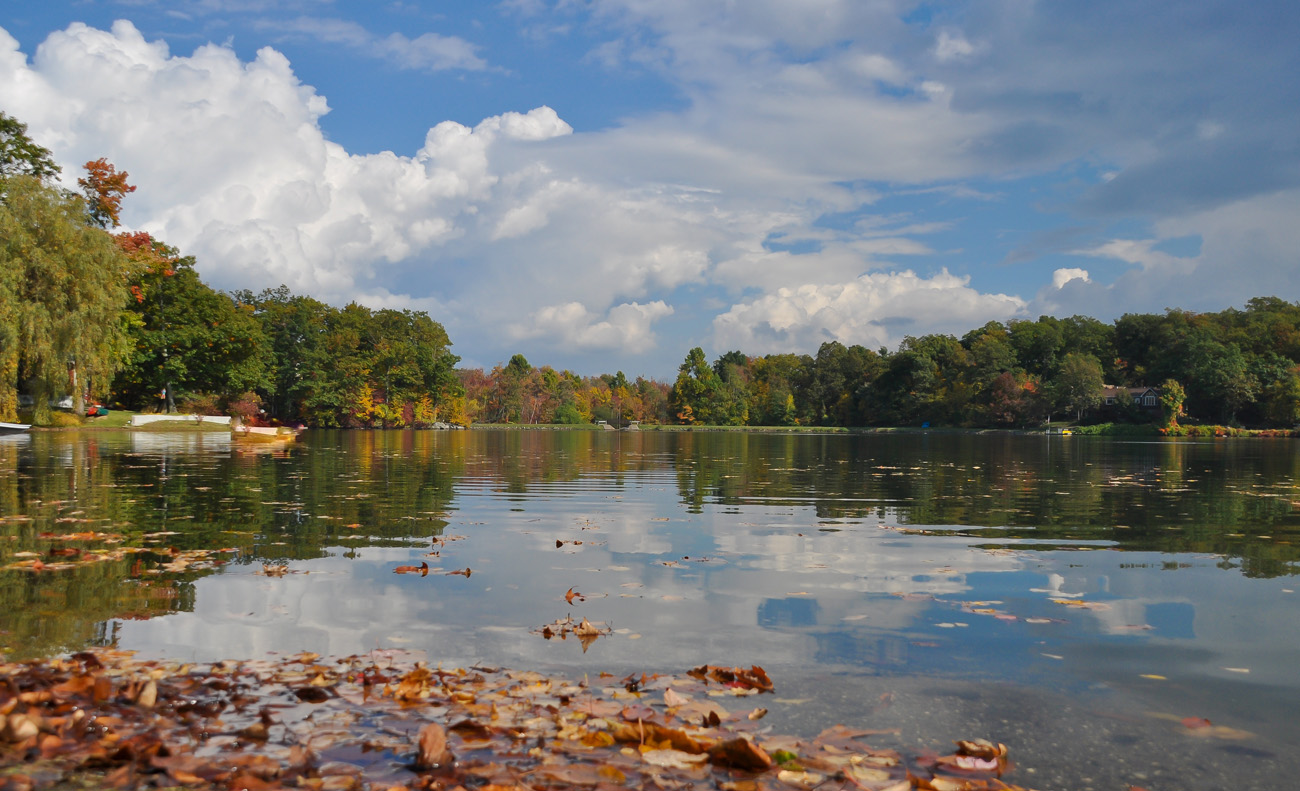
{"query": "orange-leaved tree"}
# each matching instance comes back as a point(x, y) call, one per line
point(104, 187)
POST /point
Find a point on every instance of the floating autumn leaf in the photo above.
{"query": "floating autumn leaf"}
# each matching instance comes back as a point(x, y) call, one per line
point(572, 594)
point(673, 759)
point(270, 570)
point(148, 694)
point(588, 629)
point(741, 753)
point(515, 730)
point(1083, 605)
point(585, 630)
point(465, 572)
point(981, 748)
point(735, 677)
point(432, 752)
point(636, 711)
point(868, 776)
point(800, 779)
point(422, 569)
point(311, 694)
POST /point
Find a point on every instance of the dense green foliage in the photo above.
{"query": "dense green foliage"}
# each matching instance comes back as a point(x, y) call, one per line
point(1236, 367)
point(20, 155)
point(62, 293)
point(354, 367)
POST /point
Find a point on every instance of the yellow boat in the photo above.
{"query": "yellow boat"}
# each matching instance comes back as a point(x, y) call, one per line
point(263, 433)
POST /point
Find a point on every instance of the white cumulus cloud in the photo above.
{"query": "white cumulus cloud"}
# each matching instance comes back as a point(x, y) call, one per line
point(625, 327)
point(876, 309)
point(1065, 274)
point(233, 165)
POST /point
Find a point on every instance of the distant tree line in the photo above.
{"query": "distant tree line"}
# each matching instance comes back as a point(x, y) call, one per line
point(520, 393)
point(1234, 367)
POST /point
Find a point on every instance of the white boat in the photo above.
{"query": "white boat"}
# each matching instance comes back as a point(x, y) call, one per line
point(14, 428)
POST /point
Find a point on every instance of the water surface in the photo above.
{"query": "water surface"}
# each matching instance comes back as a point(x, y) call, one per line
point(1073, 597)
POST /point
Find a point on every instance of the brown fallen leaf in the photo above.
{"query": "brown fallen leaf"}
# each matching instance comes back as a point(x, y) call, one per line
point(148, 695)
point(431, 750)
point(735, 677)
point(673, 759)
point(20, 727)
point(465, 572)
point(636, 711)
point(800, 779)
point(587, 629)
point(741, 753)
point(422, 569)
point(981, 748)
point(311, 694)
point(572, 594)
point(654, 735)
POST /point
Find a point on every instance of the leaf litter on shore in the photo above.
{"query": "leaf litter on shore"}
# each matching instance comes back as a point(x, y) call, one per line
point(385, 721)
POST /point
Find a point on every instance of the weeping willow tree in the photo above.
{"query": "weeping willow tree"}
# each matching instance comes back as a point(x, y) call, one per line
point(63, 286)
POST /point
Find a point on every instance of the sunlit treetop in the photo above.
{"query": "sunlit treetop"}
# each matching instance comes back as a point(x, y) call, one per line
point(20, 156)
point(104, 187)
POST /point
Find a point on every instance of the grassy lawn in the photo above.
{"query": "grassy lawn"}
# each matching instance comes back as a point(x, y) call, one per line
point(119, 420)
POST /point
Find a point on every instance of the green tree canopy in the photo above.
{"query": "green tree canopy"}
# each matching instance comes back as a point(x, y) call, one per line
point(1077, 387)
point(62, 290)
point(190, 338)
point(20, 156)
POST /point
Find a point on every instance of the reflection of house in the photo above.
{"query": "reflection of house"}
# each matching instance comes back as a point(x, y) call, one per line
point(1145, 398)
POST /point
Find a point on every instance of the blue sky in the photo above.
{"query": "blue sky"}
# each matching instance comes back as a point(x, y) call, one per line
point(602, 184)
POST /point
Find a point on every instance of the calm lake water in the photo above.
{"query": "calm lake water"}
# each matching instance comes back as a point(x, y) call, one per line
point(1076, 598)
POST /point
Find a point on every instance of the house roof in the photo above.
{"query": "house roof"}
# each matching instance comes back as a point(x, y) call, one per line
point(1111, 391)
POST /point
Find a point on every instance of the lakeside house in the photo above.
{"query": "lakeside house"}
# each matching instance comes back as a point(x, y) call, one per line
point(1145, 399)
point(1142, 396)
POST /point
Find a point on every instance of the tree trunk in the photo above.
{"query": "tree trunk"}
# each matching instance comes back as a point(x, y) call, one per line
point(9, 384)
point(78, 401)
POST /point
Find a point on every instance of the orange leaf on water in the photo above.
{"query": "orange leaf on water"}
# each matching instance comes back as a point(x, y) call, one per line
point(741, 753)
point(432, 750)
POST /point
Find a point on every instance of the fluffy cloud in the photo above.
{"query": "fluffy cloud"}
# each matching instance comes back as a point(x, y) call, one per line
point(874, 310)
point(1066, 274)
point(952, 46)
point(1141, 252)
point(234, 165)
point(625, 328)
point(1247, 249)
point(428, 51)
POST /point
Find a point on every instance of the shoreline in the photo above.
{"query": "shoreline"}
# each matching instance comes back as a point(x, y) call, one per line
point(1132, 431)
